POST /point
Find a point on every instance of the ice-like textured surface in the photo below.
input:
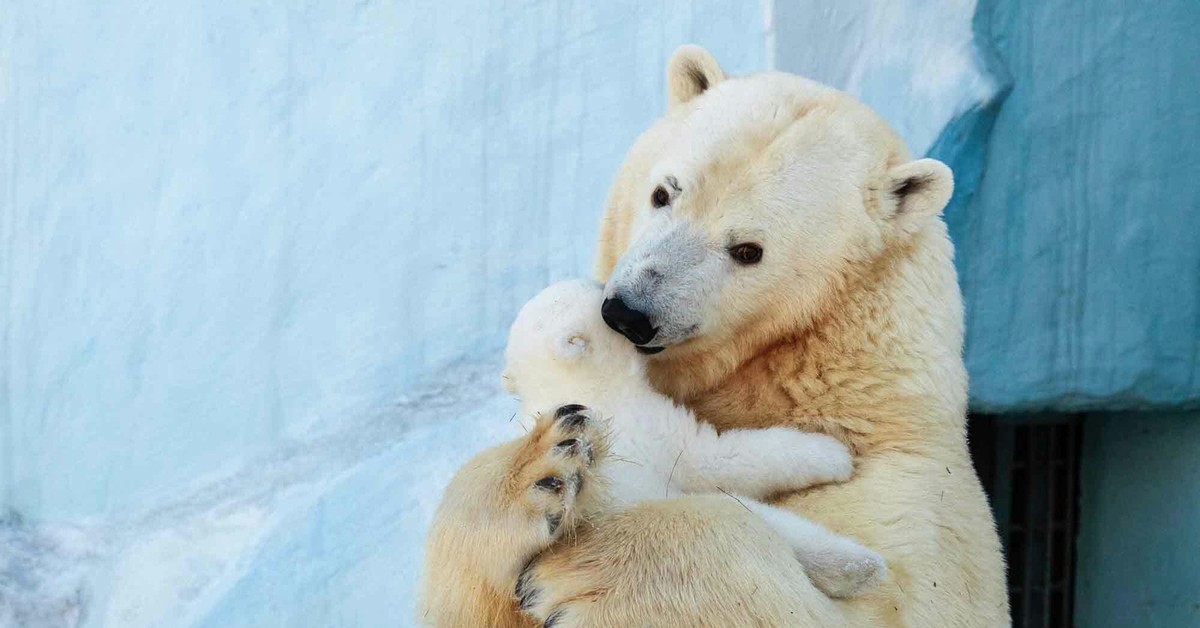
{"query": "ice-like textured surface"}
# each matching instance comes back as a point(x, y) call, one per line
point(234, 235)
point(230, 226)
point(916, 63)
point(327, 532)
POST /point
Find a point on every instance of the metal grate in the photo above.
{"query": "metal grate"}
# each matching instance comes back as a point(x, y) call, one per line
point(1029, 467)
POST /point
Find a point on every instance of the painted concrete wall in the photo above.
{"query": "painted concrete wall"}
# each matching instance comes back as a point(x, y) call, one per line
point(227, 227)
point(1139, 537)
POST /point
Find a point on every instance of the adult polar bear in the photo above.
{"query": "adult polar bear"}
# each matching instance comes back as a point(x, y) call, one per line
point(773, 245)
point(847, 320)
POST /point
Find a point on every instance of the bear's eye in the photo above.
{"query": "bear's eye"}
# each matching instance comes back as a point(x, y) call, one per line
point(660, 197)
point(746, 254)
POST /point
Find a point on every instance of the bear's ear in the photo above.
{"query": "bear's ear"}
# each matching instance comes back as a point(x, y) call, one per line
point(918, 189)
point(571, 346)
point(690, 72)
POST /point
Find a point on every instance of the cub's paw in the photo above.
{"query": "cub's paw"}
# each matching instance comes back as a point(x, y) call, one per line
point(846, 570)
point(835, 456)
point(556, 466)
point(813, 458)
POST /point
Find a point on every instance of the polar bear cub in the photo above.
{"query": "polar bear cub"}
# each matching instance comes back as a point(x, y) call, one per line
point(559, 350)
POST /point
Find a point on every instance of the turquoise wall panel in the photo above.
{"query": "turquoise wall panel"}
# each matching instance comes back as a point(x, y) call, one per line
point(1079, 250)
point(1139, 531)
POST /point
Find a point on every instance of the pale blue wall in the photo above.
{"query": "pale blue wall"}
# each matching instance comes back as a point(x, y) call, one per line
point(229, 226)
point(1139, 538)
point(236, 238)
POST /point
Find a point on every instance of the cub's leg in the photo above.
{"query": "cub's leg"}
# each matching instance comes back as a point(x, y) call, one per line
point(837, 566)
point(501, 509)
point(760, 463)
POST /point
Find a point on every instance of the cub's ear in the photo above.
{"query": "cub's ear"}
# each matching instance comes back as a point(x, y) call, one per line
point(572, 346)
point(690, 72)
point(918, 189)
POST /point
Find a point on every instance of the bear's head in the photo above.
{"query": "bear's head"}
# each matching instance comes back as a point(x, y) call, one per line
point(559, 349)
point(744, 210)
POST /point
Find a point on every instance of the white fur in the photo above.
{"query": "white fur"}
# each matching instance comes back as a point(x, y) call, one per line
point(560, 352)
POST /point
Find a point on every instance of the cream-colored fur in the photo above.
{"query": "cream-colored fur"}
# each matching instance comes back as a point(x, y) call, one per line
point(524, 527)
point(850, 325)
point(562, 357)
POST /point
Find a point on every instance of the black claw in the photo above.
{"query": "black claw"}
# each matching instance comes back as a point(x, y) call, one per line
point(524, 593)
point(573, 421)
point(553, 521)
point(570, 446)
point(550, 483)
point(552, 620)
point(529, 599)
point(570, 408)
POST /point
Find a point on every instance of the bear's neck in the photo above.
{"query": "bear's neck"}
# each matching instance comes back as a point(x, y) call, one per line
point(880, 366)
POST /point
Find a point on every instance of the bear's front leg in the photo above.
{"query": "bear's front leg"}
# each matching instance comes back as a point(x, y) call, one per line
point(702, 560)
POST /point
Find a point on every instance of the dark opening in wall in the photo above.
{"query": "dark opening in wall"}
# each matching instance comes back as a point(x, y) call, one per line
point(1029, 467)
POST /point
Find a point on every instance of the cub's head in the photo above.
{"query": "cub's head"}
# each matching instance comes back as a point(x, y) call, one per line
point(559, 348)
point(744, 209)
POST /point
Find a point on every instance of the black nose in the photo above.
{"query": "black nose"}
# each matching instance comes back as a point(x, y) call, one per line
point(627, 321)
